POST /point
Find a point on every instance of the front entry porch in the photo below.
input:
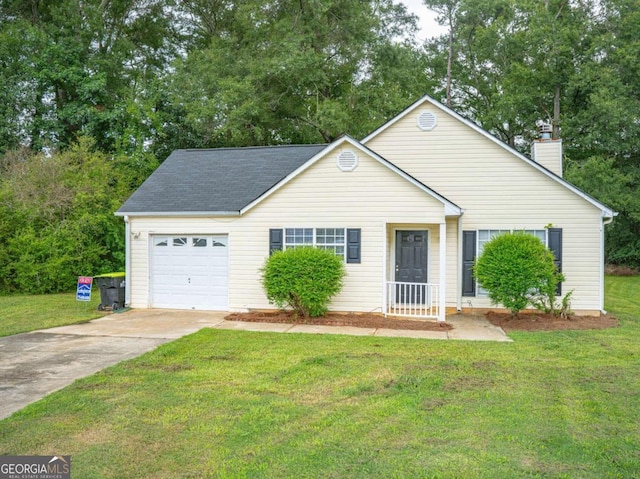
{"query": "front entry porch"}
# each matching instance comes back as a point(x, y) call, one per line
point(416, 300)
point(415, 271)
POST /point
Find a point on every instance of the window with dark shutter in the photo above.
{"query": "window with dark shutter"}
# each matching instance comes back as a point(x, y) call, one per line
point(275, 240)
point(343, 242)
point(554, 238)
point(468, 257)
point(353, 245)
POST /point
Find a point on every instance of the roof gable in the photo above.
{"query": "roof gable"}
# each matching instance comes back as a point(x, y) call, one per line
point(218, 181)
point(450, 208)
point(605, 210)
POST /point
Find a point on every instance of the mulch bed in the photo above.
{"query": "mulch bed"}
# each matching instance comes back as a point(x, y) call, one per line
point(359, 320)
point(547, 322)
point(522, 322)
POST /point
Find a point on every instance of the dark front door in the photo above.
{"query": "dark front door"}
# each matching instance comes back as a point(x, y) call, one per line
point(411, 265)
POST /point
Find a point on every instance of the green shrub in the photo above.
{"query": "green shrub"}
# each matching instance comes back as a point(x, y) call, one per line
point(56, 218)
point(304, 279)
point(514, 268)
point(546, 301)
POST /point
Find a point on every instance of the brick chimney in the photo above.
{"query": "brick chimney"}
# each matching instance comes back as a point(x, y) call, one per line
point(548, 151)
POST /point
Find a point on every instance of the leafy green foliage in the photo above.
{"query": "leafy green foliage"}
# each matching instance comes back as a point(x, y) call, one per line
point(513, 266)
point(299, 72)
point(573, 64)
point(545, 299)
point(57, 218)
point(74, 67)
point(304, 279)
point(144, 77)
point(603, 178)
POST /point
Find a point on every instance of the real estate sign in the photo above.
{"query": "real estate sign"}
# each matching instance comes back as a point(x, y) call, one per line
point(83, 293)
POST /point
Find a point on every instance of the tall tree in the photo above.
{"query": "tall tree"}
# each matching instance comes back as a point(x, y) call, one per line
point(79, 63)
point(603, 132)
point(512, 59)
point(298, 72)
point(447, 16)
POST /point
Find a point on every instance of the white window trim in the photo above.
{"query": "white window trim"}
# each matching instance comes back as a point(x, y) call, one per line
point(314, 243)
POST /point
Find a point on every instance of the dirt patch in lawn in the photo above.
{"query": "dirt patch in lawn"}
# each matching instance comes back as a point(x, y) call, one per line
point(547, 322)
point(358, 320)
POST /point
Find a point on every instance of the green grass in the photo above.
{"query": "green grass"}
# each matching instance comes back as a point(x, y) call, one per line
point(622, 295)
point(20, 314)
point(233, 404)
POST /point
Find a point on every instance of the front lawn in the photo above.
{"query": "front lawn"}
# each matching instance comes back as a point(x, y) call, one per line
point(20, 314)
point(235, 404)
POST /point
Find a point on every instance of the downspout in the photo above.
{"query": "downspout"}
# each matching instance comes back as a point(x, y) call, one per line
point(459, 268)
point(442, 313)
point(385, 304)
point(127, 261)
point(605, 222)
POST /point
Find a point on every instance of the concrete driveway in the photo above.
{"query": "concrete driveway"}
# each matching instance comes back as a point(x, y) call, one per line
point(35, 364)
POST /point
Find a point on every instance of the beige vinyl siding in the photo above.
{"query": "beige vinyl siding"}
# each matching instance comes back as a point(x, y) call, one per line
point(497, 190)
point(368, 198)
point(325, 197)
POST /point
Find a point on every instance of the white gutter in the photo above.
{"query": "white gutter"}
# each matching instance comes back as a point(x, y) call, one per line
point(384, 270)
point(127, 261)
point(442, 316)
point(459, 269)
point(605, 221)
point(178, 213)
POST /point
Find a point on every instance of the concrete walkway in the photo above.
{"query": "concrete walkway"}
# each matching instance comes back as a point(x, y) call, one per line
point(35, 364)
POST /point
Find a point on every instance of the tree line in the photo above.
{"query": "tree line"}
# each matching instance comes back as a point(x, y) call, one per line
point(96, 93)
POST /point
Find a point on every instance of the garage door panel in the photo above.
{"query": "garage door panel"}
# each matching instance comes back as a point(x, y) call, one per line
point(189, 272)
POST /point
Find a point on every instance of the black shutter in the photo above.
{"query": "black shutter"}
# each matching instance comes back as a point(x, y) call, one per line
point(468, 258)
point(353, 245)
point(555, 245)
point(275, 241)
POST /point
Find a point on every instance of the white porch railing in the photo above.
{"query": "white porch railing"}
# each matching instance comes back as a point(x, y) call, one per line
point(418, 300)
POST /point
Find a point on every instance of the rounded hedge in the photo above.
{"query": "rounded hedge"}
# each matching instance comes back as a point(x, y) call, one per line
point(304, 279)
point(512, 267)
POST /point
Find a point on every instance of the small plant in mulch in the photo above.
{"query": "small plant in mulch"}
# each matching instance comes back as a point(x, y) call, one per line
point(537, 321)
point(358, 320)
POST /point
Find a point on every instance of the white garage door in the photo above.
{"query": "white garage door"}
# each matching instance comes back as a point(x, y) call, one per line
point(189, 272)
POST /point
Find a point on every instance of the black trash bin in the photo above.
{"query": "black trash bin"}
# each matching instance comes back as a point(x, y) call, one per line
point(112, 287)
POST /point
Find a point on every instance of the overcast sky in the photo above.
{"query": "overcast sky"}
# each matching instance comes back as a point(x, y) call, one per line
point(428, 25)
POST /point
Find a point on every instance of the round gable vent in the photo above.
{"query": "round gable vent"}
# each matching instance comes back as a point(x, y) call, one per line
point(427, 121)
point(347, 160)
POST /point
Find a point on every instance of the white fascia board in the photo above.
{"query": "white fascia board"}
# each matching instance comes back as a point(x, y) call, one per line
point(451, 209)
point(605, 210)
point(178, 213)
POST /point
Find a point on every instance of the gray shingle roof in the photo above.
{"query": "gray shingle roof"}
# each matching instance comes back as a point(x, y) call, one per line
point(216, 180)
